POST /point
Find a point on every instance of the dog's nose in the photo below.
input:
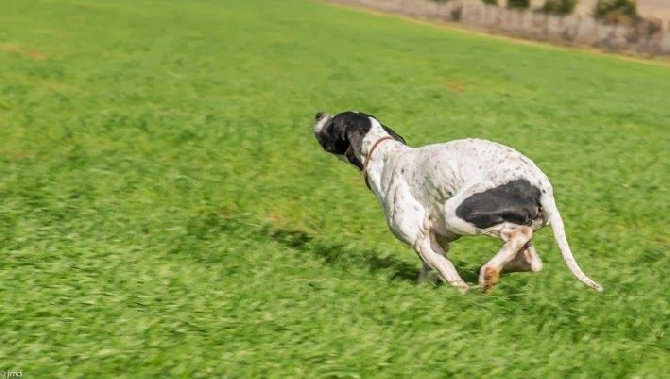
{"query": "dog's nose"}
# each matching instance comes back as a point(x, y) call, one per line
point(318, 116)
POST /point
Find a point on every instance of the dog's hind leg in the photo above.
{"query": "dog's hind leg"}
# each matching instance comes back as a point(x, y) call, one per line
point(515, 238)
point(526, 259)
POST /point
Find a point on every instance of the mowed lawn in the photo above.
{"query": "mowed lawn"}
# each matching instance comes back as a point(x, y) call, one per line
point(166, 212)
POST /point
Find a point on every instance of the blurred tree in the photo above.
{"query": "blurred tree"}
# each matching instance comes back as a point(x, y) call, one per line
point(559, 7)
point(518, 4)
point(616, 11)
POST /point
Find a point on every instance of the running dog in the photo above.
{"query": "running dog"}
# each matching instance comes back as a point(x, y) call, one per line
point(434, 194)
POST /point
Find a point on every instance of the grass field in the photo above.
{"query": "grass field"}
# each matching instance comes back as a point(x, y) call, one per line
point(166, 212)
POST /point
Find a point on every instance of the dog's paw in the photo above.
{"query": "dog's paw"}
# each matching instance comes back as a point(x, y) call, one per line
point(488, 278)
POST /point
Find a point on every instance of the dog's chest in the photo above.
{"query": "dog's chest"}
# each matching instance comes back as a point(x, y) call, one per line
point(418, 183)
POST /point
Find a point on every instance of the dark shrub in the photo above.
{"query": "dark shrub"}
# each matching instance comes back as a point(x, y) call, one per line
point(490, 2)
point(616, 11)
point(559, 7)
point(518, 4)
point(456, 13)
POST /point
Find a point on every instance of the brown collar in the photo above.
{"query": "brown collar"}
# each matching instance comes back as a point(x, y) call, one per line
point(369, 155)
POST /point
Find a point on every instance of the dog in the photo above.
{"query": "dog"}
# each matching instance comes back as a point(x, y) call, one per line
point(433, 195)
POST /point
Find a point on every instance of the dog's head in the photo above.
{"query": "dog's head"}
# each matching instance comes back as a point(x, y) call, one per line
point(343, 134)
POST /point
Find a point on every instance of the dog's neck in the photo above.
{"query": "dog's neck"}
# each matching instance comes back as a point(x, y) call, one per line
point(377, 150)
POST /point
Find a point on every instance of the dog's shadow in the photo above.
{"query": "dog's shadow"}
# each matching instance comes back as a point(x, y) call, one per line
point(339, 255)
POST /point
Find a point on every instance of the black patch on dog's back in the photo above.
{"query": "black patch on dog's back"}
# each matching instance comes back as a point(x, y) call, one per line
point(517, 202)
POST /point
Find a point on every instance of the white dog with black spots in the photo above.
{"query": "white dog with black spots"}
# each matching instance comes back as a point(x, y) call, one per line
point(434, 194)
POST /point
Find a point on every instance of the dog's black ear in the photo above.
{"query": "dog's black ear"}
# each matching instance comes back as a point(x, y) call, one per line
point(333, 137)
point(351, 127)
point(356, 126)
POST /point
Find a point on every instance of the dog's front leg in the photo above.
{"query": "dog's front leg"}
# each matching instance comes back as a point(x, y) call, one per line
point(408, 220)
point(434, 258)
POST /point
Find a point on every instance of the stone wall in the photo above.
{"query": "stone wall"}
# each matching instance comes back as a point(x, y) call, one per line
point(650, 37)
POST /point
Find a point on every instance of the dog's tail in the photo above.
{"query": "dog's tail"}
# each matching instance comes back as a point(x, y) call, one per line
point(551, 210)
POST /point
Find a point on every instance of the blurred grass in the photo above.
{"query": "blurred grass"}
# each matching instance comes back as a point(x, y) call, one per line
point(166, 211)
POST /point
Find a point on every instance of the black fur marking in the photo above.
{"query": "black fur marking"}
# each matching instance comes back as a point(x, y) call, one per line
point(517, 202)
point(336, 136)
point(343, 135)
point(354, 127)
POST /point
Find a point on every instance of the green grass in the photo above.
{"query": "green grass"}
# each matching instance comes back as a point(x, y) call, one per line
point(166, 211)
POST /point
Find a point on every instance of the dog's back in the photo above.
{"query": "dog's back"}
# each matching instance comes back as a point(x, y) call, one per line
point(466, 167)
